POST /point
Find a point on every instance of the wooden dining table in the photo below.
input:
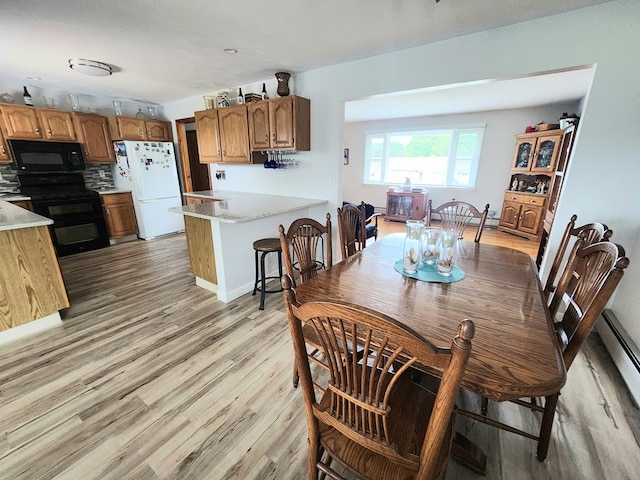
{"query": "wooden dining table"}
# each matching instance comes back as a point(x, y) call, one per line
point(515, 352)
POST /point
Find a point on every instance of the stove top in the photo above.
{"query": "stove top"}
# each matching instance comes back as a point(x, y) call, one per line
point(50, 186)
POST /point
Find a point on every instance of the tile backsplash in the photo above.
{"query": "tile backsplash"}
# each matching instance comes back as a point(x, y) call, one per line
point(96, 177)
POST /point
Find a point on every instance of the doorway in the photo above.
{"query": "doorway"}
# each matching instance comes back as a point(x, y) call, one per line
point(195, 175)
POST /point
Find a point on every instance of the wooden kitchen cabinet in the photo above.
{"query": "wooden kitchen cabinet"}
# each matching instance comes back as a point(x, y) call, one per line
point(234, 139)
point(208, 135)
point(280, 124)
point(24, 122)
point(26, 204)
point(119, 214)
point(93, 133)
point(133, 128)
point(4, 149)
point(403, 206)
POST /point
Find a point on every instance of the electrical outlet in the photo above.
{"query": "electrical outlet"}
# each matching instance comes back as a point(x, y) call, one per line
point(220, 174)
point(101, 173)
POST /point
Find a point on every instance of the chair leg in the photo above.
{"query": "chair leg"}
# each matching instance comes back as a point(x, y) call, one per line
point(484, 406)
point(263, 281)
point(255, 284)
point(547, 423)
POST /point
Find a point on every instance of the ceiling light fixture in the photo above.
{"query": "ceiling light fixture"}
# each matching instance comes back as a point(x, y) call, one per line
point(230, 50)
point(90, 67)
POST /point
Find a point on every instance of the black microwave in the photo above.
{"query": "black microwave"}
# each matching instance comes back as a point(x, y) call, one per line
point(35, 156)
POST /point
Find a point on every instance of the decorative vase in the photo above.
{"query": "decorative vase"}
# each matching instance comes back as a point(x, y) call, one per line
point(431, 246)
point(283, 83)
point(412, 246)
point(448, 250)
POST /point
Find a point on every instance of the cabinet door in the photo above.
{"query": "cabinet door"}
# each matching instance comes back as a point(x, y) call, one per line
point(57, 125)
point(530, 219)
point(259, 132)
point(208, 135)
point(158, 131)
point(130, 129)
point(510, 214)
point(234, 134)
point(93, 132)
point(4, 150)
point(119, 214)
point(546, 154)
point(21, 122)
point(524, 154)
point(282, 123)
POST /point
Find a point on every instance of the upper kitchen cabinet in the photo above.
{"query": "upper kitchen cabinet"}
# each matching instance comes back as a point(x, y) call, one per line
point(37, 123)
point(537, 152)
point(133, 128)
point(234, 141)
point(280, 124)
point(208, 134)
point(93, 133)
point(4, 151)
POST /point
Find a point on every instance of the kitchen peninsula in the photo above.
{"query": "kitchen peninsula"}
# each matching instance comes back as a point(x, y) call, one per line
point(221, 230)
point(32, 291)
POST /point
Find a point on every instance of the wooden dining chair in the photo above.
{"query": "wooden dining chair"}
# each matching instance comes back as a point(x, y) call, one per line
point(372, 420)
point(585, 287)
point(353, 236)
point(304, 255)
point(457, 216)
point(302, 247)
point(590, 232)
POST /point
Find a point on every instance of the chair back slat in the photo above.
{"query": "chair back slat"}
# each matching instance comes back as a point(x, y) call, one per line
point(457, 216)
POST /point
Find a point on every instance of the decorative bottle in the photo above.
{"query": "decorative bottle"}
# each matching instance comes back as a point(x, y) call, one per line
point(264, 92)
point(27, 97)
point(240, 97)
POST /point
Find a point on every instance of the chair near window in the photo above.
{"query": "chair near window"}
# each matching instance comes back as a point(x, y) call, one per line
point(371, 219)
point(352, 235)
point(372, 420)
point(457, 216)
point(301, 247)
point(590, 233)
point(585, 287)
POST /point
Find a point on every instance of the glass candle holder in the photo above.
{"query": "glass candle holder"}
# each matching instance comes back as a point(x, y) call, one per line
point(75, 104)
point(447, 253)
point(117, 108)
point(412, 247)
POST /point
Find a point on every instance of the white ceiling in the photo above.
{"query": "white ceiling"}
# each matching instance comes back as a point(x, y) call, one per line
point(165, 50)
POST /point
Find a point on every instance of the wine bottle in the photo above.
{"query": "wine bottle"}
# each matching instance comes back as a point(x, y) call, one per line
point(27, 97)
point(264, 92)
point(240, 97)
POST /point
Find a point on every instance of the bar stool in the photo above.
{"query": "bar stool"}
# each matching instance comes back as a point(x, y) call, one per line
point(266, 245)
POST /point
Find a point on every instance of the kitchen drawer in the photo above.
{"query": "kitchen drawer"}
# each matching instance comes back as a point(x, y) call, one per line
point(111, 198)
point(526, 199)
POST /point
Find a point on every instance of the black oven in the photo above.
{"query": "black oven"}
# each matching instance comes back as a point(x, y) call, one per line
point(78, 221)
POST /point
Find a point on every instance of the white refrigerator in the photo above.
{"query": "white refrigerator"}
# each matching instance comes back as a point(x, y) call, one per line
point(149, 171)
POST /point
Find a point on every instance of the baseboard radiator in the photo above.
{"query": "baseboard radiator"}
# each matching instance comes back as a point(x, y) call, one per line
point(623, 350)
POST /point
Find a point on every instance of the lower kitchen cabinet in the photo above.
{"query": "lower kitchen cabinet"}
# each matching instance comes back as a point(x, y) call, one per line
point(403, 206)
point(119, 214)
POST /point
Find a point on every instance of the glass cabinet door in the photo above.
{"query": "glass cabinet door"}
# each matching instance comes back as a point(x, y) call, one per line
point(546, 153)
point(524, 151)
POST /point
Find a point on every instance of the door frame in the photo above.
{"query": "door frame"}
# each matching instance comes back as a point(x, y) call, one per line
point(181, 134)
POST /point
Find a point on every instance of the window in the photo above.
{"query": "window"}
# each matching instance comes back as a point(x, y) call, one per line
point(443, 157)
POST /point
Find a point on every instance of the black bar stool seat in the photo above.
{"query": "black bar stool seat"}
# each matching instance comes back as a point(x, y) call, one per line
point(266, 246)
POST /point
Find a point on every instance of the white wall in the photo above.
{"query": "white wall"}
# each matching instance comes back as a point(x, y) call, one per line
point(495, 159)
point(603, 177)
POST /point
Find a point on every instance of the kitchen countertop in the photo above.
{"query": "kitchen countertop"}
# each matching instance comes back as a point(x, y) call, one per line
point(14, 197)
point(113, 190)
point(13, 217)
point(236, 207)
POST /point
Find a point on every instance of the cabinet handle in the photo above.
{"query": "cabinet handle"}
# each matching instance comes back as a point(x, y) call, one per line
point(49, 131)
point(141, 132)
point(37, 130)
point(266, 138)
point(4, 150)
point(273, 137)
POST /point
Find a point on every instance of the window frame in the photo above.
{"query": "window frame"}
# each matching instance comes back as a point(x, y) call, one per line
point(452, 160)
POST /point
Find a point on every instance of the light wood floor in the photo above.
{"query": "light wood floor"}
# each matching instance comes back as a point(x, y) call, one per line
point(150, 377)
